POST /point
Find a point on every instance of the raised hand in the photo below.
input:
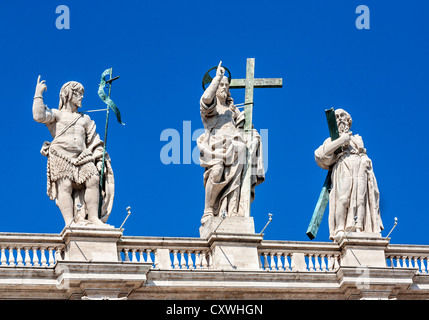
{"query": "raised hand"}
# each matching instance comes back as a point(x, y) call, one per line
point(220, 72)
point(40, 87)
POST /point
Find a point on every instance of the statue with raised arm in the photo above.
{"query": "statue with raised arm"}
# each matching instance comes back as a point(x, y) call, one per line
point(354, 197)
point(74, 158)
point(223, 151)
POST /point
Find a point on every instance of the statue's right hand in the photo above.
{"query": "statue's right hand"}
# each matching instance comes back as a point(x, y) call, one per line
point(40, 86)
point(346, 137)
point(220, 72)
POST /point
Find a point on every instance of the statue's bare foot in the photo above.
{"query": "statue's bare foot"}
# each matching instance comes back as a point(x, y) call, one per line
point(206, 217)
point(339, 235)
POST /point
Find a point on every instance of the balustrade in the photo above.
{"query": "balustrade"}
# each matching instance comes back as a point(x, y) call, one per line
point(166, 253)
point(138, 255)
point(286, 261)
point(404, 261)
point(20, 256)
point(408, 256)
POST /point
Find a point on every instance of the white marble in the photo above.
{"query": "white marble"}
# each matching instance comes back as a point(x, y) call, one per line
point(223, 151)
point(74, 157)
point(354, 201)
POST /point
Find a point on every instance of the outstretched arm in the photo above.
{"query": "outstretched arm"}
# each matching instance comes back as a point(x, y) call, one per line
point(41, 113)
point(210, 92)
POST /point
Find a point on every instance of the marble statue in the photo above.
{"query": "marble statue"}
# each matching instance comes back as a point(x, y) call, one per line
point(354, 198)
point(223, 151)
point(74, 158)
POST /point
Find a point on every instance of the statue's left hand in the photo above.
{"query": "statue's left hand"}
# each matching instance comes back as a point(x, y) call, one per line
point(99, 164)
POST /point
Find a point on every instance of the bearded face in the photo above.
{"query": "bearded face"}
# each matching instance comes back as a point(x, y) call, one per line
point(344, 121)
point(223, 89)
point(77, 98)
point(72, 92)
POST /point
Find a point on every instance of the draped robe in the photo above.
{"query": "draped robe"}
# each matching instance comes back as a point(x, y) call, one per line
point(353, 180)
point(223, 145)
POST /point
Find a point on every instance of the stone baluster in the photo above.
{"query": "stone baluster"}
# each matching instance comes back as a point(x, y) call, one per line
point(310, 265)
point(19, 260)
point(210, 258)
point(190, 261)
point(148, 257)
point(280, 265)
point(57, 254)
point(197, 260)
point(316, 262)
point(336, 262)
point(287, 266)
point(133, 255)
point(141, 256)
point(292, 262)
point(183, 264)
point(11, 257)
point(415, 264)
point(175, 260)
point(323, 262)
point(51, 260)
point(126, 254)
point(27, 258)
point(43, 258)
point(330, 266)
point(422, 265)
point(266, 263)
point(204, 263)
point(404, 261)
point(398, 262)
point(3, 260)
point(273, 262)
point(35, 258)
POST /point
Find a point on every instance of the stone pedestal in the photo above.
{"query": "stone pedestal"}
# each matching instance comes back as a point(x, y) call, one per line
point(233, 243)
point(91, 243)
point(361, 249)
point(228, 225)
point(100, 280)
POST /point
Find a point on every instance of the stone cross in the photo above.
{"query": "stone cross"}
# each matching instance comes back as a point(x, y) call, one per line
point(248, 84)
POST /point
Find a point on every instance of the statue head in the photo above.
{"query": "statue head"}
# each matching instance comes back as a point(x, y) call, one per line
point(344, 120)
point(71, 91)
point(222, 92)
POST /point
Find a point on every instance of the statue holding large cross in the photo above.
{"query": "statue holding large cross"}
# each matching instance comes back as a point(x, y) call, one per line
point(351, 186)
point(230, 148)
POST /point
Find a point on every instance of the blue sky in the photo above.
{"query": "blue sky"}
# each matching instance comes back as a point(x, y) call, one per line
point(161, 50)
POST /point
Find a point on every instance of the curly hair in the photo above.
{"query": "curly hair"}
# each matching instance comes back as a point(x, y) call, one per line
point(67, 90)
point(349, 117)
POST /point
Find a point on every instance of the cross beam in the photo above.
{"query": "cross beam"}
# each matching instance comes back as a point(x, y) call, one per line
point(249, 84)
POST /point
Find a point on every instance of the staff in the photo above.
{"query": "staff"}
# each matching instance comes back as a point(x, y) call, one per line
point(110, 105)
